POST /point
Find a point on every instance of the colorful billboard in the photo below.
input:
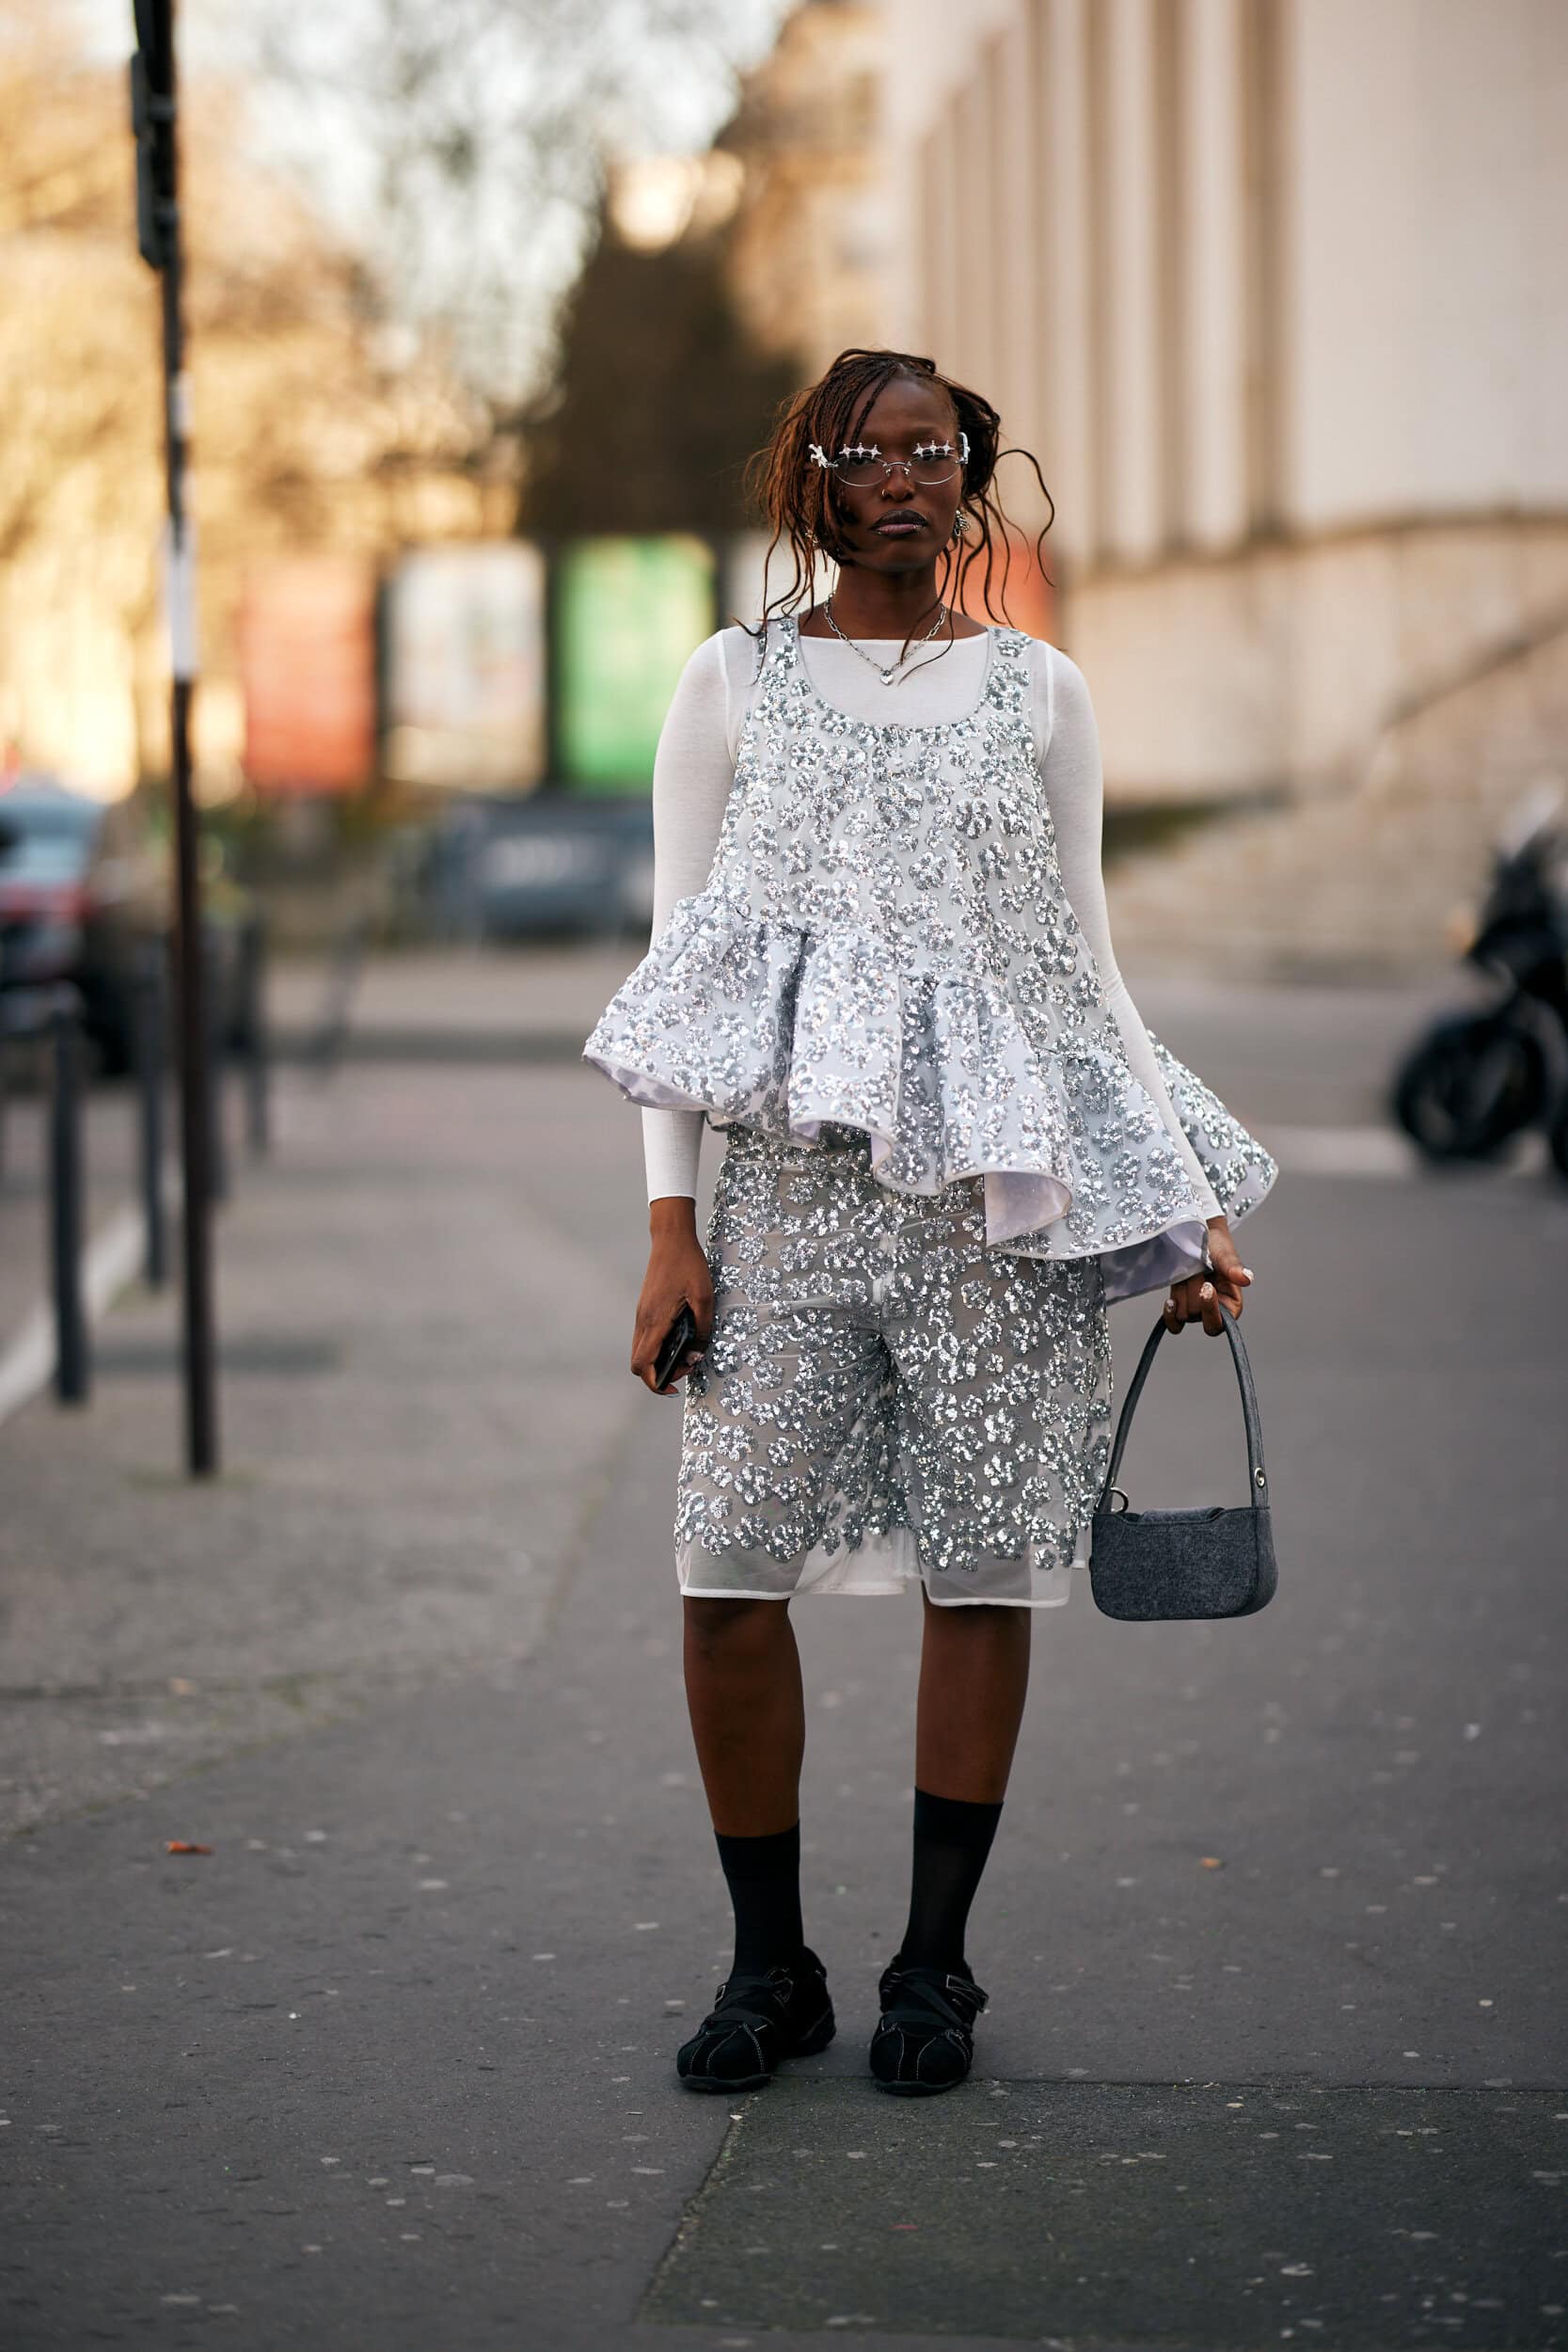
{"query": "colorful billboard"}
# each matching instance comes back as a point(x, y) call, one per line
point(627, 613)
point(1015, 574)
point(306, 640)
point(465, 667)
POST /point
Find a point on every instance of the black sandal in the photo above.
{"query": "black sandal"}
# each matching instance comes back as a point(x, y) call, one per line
point(754, 2022)
point(925, 2040)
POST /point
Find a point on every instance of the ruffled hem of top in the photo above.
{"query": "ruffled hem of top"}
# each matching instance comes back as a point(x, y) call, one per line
point(761, 1024)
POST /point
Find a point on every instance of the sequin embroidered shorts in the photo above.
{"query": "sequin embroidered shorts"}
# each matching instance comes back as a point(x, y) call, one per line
point(885, 1401)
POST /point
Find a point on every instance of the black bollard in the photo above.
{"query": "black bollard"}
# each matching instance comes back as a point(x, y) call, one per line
point(217, 1020)
point(342, 979)
point(65, 1201)
point(152, 1035)
point(257, 1056)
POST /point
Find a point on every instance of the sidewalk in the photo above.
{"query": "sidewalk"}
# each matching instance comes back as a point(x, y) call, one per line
point(1311, 1064)
point(418, 1394)
point(1273, 1930)
point(481, 1003)
point(1263, 1042)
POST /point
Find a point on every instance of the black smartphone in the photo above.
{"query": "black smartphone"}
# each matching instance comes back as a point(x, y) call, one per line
point(681, 1335)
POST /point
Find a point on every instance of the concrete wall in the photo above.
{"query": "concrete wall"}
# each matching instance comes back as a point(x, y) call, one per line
point(1427, 360)
point(1278, 668)
point(1278, 292)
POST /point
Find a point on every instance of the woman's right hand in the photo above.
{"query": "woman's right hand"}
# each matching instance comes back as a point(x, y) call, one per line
point(677, 1275)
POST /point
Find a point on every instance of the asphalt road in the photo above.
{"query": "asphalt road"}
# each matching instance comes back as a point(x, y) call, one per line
point(1274, 1928)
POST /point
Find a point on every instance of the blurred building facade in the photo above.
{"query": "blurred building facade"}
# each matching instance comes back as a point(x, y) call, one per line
point(1277, 290)
point(808, 245)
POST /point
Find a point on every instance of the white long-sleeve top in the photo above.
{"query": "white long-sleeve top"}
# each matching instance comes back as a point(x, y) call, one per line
point(694, 769)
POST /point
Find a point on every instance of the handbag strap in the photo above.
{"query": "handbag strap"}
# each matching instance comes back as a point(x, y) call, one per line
point(1258, 1481)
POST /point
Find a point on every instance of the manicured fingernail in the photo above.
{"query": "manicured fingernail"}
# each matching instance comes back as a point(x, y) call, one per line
point(1247, 1271)
point(1207, 1291)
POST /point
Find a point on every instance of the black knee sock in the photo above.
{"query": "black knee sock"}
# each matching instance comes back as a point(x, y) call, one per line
point(764, 1879)
point(951, 1840)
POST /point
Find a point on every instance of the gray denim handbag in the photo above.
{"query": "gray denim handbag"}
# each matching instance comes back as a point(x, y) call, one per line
point(1217, 1562)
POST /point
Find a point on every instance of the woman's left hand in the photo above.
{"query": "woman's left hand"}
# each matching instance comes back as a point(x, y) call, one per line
point(1199, 1297)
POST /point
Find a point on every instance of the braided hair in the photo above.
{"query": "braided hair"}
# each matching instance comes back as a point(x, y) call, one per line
point(798, 499)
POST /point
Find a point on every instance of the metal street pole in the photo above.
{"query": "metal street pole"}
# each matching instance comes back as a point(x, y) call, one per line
point(153, 93)
point(66, 1188)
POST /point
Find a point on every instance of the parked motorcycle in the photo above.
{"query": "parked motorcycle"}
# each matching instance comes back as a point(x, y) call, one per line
point(1480, 1078)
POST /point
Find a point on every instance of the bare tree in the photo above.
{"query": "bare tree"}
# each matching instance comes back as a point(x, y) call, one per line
point(463, 146)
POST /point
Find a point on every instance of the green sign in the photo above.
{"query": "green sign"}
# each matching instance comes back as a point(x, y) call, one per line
point(627, 613)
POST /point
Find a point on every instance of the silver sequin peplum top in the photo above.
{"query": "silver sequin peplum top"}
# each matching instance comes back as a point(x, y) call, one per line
point(883, 942)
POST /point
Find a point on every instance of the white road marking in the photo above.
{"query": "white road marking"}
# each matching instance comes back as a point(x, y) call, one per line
point(111, 1258)
point(1381, 1151)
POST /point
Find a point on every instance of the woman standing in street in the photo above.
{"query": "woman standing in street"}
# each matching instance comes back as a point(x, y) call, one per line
point(881, 962)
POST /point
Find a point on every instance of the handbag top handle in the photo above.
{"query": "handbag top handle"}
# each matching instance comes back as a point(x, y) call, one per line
point(1259, 1483)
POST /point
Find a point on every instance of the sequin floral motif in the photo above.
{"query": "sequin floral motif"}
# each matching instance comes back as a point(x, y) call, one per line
point(886, 1398)
point(884, 942)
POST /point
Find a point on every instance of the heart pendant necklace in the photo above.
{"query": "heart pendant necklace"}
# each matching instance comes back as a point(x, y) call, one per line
point(889, 676)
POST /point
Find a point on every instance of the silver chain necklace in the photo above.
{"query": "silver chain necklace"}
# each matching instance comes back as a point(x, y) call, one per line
point(889, 676)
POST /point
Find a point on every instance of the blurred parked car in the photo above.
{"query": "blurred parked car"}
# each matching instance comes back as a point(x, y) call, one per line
point(507, 868)
point(86, 889)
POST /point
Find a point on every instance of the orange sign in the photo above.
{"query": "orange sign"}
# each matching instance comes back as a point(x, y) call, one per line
point(1016, 574)
point(307, 669)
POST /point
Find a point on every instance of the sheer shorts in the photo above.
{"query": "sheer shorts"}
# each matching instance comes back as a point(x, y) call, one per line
point(885, 1401)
